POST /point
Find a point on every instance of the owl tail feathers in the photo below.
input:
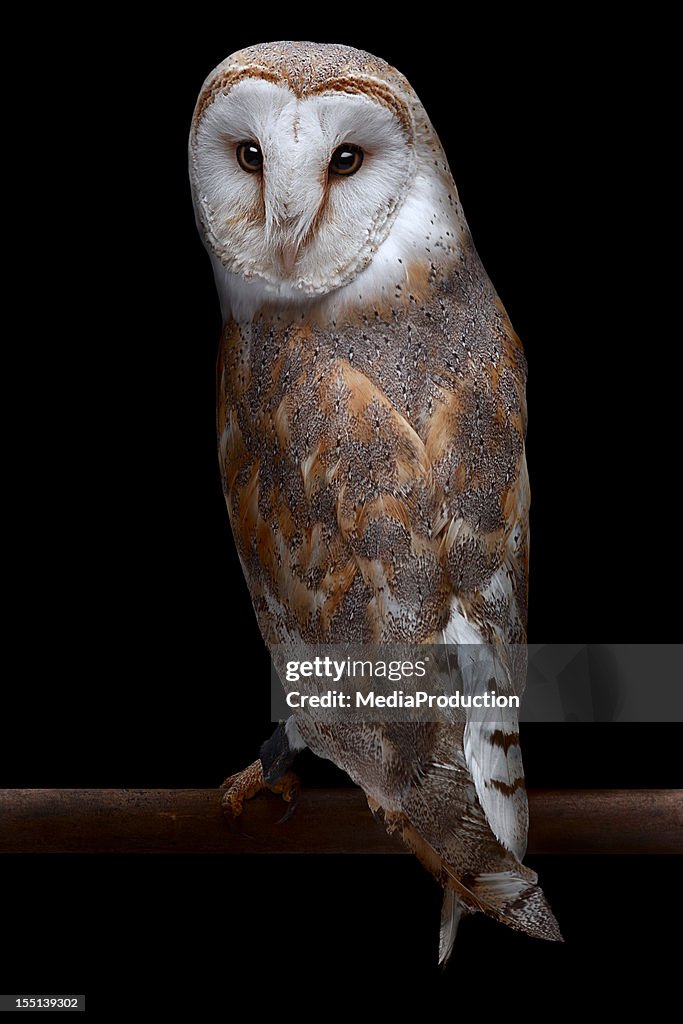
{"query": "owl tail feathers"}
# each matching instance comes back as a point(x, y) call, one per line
point(516, 901)
point(511, 897)
point(452, 909)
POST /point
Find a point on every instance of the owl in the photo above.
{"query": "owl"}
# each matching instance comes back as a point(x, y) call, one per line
point(371, 423)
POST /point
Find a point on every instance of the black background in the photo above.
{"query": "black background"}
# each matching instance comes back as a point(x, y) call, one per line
point(127, 605)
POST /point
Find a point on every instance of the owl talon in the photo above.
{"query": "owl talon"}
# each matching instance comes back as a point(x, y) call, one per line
point(291, 794)
point(248, 783)
point(234, 827)
point(238, 788)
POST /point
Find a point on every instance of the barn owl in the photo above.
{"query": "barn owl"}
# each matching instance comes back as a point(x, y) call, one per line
point(371, 422)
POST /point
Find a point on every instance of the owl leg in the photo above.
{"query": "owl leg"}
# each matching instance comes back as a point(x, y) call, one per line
point(271, 771)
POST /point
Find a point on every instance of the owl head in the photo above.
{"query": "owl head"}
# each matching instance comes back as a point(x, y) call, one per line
point(303, 156)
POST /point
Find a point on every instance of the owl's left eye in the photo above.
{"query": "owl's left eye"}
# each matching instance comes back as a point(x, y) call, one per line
point(346, 159)
point(250, 157)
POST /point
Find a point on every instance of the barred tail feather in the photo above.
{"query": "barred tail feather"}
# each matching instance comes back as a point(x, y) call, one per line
point(452, 910)
point(506, 896)
point(518, 903)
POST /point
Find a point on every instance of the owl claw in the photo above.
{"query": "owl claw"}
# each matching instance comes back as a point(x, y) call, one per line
point(290, 793)
point(246, 784)
point(234, 827)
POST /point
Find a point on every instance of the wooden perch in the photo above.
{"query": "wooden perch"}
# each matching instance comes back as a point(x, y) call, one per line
point(592, 821)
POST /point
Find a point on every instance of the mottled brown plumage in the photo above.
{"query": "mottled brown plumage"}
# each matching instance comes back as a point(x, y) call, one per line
point(371, 439)
point(373, 470)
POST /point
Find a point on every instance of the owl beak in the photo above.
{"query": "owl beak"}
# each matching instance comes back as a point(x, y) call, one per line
point(289, 254)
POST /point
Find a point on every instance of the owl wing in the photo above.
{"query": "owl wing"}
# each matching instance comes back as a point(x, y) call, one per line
point(412, 551)
point(489, 627)
point(491, 735)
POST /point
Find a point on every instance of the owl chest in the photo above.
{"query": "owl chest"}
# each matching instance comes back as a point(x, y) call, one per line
point(303, 417)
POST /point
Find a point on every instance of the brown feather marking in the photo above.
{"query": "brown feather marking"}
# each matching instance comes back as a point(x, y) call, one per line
point(247, 508)
point(504, 787)
point(374, 90)
point(336, 584)
point(311, 552)
point(281, 423)
point(443, 425)
point(223, 82)
point(411, 457)
point(313, 470)
point(383, 506)
point(288, 527)
point(301, 600)
point(418, 281)
point(266, 547)
point(232, 449)
point(504, 740)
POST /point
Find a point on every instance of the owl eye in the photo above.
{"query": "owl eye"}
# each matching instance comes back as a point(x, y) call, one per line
point(346, 160)
point(250, 157)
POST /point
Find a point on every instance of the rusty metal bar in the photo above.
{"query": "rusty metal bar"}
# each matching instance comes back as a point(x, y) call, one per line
point(326, 821)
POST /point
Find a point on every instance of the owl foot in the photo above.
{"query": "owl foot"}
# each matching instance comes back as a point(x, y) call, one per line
point(238, 788)
point(248, 783)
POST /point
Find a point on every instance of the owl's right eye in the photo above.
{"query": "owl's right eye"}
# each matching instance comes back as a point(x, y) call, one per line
point(250, 157)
